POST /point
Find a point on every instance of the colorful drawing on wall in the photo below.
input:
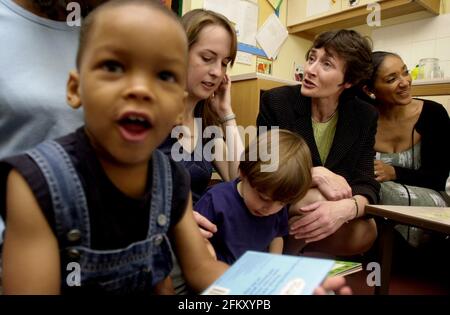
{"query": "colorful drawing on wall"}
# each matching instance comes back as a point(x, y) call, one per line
point(275, 3)
point(264, 65)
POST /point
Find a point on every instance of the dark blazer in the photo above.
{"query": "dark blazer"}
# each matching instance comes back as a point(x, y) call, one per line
point(351, 154)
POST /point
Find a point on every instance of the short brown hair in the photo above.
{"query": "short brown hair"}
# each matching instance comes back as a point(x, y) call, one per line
point(353, 48)
point(290, 181)
point(89, 21)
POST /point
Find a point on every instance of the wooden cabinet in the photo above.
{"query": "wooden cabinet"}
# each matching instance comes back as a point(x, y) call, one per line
point(349, 4)
point(246, 90)
point(297, 11)
point(350, 16)
point(435, 87)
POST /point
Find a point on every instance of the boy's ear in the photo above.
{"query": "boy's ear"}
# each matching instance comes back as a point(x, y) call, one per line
point(73, 85)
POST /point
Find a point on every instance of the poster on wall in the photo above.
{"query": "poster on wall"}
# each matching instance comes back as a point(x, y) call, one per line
point(264, 65)
point(271, 36)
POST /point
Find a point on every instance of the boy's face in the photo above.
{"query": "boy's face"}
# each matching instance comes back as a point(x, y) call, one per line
point(131, 82)
point(258, 203)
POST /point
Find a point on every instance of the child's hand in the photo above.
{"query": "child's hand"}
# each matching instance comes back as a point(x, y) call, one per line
point(207, 228)
point(221, 98)
point(333, 284)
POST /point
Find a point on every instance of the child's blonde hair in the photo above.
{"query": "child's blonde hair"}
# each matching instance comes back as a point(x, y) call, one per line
point(291, 179)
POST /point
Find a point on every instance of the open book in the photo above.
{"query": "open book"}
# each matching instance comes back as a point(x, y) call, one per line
point(258, 273)
point(344, 268)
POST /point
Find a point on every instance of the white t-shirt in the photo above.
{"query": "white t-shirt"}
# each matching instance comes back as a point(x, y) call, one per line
point(36, 56)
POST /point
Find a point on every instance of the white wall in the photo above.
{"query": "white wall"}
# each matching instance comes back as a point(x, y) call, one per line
point(425, 38)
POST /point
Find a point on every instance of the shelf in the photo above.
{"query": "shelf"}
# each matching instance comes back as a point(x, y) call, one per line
point(262, 76)
point(357, 16)
point(430, 87)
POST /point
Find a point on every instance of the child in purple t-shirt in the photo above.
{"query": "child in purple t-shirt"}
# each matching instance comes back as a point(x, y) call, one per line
point(251, 212)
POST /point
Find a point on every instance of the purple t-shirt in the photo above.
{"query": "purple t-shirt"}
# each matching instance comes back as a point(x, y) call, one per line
point(237, 229)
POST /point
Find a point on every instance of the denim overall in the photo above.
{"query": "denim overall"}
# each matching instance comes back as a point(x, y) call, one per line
point(134, 269)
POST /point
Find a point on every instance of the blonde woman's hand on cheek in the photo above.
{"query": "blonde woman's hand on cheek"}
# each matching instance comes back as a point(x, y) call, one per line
point(221, 99)
point(383, 172)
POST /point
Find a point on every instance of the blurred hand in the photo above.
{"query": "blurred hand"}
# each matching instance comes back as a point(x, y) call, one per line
point(331, 185)
point(336, 284)
point(383, 172)
point(207, 228)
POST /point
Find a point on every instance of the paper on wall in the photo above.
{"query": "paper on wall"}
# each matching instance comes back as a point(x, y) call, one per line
point(247, 23)
point(244, 58)
point(271, 36)
point(227, 8)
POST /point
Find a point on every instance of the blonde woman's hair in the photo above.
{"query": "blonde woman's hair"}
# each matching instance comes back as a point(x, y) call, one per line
point(289, 181)
point(194, 22)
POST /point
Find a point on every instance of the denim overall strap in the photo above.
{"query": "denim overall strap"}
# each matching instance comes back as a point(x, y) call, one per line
point(162, 190)
point(67, 194)
point(160, 209)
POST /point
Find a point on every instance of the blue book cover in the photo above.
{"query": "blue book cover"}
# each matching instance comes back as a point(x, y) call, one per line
point(256, 273)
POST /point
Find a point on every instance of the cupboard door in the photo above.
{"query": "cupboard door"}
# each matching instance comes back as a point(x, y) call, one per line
point(348, 4)
point(298, 10)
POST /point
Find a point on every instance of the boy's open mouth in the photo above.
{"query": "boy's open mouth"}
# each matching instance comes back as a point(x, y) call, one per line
point(134, 127)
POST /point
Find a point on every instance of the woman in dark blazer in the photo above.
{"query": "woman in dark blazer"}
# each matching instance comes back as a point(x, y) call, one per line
point(340, 131)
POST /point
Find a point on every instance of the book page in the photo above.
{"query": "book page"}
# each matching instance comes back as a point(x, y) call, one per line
point(258, 273)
